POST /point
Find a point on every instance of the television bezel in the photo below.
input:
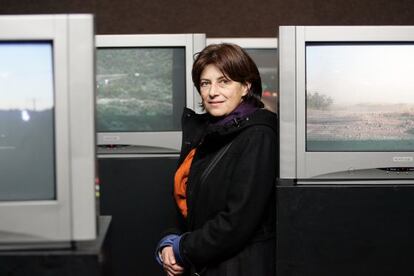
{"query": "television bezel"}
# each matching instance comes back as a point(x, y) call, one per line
point(158, 142)
point(295, 161)
point(72, 215)
point(247, 42)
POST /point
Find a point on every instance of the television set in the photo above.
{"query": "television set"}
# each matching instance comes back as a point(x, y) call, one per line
point(47, 138)
point(143, 84)
point(346, 104)
point(263, 51)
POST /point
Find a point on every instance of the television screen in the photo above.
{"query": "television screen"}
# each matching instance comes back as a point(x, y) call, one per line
point(27, 121)
point(359, 97)
point(140, 89)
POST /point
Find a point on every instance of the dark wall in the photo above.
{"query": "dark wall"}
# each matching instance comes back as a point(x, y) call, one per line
point(47, 6)
point(217, 18)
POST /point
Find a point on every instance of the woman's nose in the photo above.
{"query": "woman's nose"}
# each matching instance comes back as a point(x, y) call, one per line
point(213, 90)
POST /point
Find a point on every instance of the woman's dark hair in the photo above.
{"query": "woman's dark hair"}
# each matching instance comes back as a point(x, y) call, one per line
point(235, 64)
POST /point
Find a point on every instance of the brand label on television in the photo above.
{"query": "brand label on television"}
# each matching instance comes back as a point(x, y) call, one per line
point(402, 159)
point(111, 138)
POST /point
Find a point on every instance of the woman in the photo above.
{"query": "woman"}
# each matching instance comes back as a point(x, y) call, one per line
point(224, 187)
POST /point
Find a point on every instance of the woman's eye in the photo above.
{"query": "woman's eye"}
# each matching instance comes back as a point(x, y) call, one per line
point(203, 84)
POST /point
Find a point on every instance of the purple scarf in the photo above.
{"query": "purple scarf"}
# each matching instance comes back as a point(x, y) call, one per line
point(243, 110)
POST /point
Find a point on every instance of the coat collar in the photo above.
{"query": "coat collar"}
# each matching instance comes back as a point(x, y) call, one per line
point(259, 117)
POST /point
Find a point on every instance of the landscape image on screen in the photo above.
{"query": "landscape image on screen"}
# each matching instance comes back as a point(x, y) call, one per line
point(359, 97)
point(27, 144)
point(140, 89)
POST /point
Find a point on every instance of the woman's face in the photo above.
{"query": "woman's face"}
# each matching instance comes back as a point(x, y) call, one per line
point(220, 94)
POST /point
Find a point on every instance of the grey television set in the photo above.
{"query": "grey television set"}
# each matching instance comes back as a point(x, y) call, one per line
point(263, 50)
point(47, 138)
point(346, 104)
point(143, 84)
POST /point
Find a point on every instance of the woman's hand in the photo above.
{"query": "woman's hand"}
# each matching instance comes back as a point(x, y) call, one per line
point(169, 263)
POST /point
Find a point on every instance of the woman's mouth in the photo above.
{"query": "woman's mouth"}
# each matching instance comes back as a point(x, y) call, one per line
point(215, 103)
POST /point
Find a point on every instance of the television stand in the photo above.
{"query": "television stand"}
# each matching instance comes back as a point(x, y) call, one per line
point(82, 259)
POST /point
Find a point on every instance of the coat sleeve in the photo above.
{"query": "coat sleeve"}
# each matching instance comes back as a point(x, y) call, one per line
point(247, 201)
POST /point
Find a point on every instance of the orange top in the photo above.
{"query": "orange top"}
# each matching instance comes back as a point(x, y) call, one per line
point(180, 182)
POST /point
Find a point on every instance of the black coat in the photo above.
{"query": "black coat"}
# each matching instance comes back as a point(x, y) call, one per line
point(230, 227)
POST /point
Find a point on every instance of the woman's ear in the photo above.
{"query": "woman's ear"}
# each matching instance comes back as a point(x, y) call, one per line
point(247, 86)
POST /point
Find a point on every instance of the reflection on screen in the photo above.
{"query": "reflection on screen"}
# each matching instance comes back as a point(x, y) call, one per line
point(360, 97)
point(27, 164)
point(140, 89)
point(266, 61)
